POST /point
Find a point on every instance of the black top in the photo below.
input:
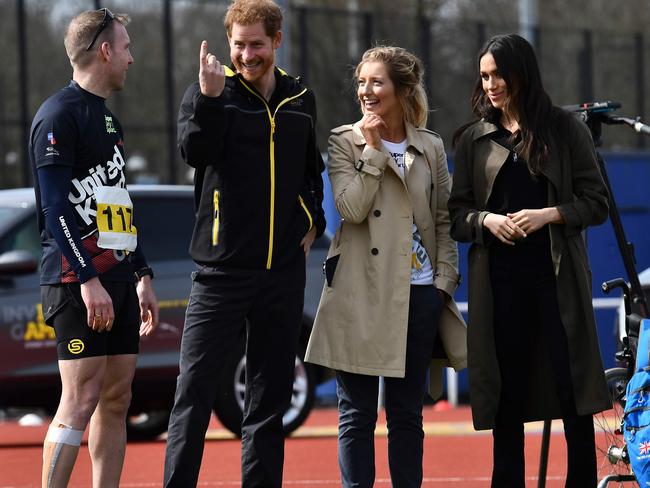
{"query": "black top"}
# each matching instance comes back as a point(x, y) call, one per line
point(74, 133)
point(515, 188)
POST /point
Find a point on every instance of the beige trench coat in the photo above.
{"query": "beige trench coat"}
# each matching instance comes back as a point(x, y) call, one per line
point(361, 323)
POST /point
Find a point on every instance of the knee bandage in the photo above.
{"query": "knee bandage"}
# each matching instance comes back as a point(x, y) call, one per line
point(64, 434)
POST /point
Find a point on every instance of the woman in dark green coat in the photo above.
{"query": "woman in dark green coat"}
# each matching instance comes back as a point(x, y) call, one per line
point(526, 184)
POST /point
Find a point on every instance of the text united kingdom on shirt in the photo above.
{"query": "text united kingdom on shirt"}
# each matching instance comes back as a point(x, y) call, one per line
point(75, 128)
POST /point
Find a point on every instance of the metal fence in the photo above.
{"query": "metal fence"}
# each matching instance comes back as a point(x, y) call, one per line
point(321, 44)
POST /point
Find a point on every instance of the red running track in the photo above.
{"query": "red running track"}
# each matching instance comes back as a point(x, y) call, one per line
point(454, 455)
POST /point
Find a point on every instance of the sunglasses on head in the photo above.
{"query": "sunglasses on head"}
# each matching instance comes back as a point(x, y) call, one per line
point(108, 17)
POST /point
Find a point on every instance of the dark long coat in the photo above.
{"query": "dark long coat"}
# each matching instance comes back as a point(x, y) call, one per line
point(576, 188)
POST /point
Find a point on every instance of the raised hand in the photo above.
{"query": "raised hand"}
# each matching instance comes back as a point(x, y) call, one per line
point(371, 126)
point(212, 76)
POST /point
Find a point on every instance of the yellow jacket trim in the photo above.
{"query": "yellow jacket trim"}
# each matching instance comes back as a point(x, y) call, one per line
point(304, 207)
point(269, 258)
point(215, 223)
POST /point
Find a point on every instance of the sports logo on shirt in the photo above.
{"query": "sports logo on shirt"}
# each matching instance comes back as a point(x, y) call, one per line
point(110, 129)
point(50, 150)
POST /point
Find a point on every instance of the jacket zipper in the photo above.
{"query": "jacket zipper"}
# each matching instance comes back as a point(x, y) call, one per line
point(215, 215)
point(269, 258)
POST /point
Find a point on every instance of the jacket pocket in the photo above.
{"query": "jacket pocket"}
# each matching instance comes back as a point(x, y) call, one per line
point(215, 216)
point(329, 267)
point(310, 219)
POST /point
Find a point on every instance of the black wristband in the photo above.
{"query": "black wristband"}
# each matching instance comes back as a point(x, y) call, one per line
point(146, 271)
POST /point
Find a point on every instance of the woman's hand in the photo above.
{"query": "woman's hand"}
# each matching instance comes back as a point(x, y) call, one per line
point(371, 125)
point(531, 220)
point(504, 228)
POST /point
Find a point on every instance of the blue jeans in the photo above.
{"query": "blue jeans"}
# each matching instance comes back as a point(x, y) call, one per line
point(404, 399)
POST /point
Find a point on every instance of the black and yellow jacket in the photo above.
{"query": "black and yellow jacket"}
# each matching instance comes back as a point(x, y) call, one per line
point(258, 186)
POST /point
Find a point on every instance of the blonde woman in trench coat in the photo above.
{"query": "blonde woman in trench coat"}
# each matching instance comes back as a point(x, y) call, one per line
point(526, 184)
point(390, 272)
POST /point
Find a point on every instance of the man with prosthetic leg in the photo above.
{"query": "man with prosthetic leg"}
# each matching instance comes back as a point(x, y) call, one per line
point(95, 283)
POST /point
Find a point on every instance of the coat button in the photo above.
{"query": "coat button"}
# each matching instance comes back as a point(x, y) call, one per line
point(374, 251)
point(377, 213)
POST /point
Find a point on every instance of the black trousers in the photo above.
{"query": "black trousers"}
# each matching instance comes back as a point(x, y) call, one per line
point(357, 395)
point(525, 299)
point(222, 302)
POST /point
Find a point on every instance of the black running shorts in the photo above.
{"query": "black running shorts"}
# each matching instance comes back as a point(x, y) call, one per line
point(64, 309)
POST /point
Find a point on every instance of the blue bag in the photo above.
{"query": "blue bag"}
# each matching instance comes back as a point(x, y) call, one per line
point(636, 416)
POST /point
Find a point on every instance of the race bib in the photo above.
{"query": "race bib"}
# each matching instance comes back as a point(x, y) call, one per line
point(115, 219)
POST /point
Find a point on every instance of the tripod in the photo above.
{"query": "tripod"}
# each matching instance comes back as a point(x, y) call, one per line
point(594, 115)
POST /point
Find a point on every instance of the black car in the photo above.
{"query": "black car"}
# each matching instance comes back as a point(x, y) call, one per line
point(165, 216)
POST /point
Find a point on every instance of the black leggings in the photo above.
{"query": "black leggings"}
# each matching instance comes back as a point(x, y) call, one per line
point(525, 298)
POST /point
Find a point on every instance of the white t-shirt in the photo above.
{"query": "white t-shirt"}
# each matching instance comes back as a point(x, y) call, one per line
point(421, 269)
